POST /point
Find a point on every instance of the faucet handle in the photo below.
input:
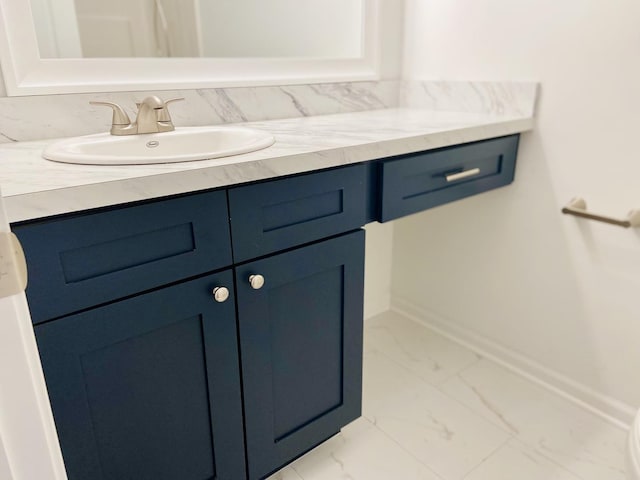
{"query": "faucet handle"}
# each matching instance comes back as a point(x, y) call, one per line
point(120, 118)
point(163, 115)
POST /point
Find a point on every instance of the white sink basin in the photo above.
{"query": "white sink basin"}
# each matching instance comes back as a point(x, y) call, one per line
point(182, 145)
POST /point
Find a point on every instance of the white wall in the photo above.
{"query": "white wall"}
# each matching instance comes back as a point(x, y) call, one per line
point(507, 265)
point(377, 268)
point(3, 90)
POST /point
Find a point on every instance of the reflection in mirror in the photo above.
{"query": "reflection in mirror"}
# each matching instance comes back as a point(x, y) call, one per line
point(199, 28)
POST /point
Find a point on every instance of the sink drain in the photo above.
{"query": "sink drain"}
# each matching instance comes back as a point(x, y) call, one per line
point(153, 144)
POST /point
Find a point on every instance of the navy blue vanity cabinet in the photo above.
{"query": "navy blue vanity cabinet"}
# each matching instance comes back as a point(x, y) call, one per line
point(301, 348)
point(154, 374)
point(148, 388)
point(418, 181)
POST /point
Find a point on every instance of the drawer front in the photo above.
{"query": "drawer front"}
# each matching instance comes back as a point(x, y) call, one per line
point(79, 262)
point(279, 214)
point(420, 181)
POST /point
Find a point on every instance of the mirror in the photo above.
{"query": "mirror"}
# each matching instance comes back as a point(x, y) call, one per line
point(75, 46)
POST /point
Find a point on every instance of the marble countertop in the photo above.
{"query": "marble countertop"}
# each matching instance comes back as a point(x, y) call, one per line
point(34, 188)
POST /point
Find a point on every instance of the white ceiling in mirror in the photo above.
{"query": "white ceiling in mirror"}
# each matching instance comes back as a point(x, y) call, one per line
point(337, 43)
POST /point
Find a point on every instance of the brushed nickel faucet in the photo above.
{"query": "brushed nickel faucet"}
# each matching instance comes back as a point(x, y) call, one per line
point(153, 117)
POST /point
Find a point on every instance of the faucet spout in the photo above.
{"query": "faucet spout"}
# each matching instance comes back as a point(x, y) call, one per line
point(152, 112)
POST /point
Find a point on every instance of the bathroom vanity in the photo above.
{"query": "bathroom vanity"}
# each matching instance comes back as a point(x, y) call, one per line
point(180, 334)
point(217, 332)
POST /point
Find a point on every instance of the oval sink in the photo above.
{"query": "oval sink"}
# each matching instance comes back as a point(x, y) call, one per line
point(181, 145)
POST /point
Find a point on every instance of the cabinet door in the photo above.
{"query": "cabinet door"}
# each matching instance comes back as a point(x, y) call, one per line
point(301, 348)
point(148, 387)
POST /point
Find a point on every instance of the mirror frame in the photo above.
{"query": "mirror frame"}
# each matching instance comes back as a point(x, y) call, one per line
point(25, 73)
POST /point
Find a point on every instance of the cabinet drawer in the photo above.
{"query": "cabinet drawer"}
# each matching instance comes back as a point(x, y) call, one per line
point(419, 181)
point(78, 262)
point(276, 215)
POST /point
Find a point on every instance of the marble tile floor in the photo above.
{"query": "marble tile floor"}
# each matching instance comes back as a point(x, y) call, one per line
point(433, 410)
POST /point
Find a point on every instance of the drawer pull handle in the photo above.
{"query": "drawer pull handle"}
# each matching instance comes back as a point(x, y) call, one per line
point(256, 281)
point(578, 207)
point(460, 175)
point(221, 294)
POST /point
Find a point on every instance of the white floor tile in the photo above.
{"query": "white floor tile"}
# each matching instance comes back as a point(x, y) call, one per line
point(287, 473)
point(360, 452)
point(516, 461)
point(443, 434)
point(561, 431)
point(384, 381)
point(430, 356)
point(496, 393)
point(439, 412)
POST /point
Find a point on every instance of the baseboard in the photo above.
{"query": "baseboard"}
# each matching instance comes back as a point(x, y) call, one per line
point(608, 408)
point(376, 306)
point(633, 451)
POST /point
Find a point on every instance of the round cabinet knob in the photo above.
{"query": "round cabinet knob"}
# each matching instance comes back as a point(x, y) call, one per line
point(256, 281)
point(221, 294)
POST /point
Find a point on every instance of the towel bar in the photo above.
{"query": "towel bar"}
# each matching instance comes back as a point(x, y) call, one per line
point(578, 207)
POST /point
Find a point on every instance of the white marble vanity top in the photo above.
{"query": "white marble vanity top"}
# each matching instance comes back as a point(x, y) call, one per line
point(33, 187)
